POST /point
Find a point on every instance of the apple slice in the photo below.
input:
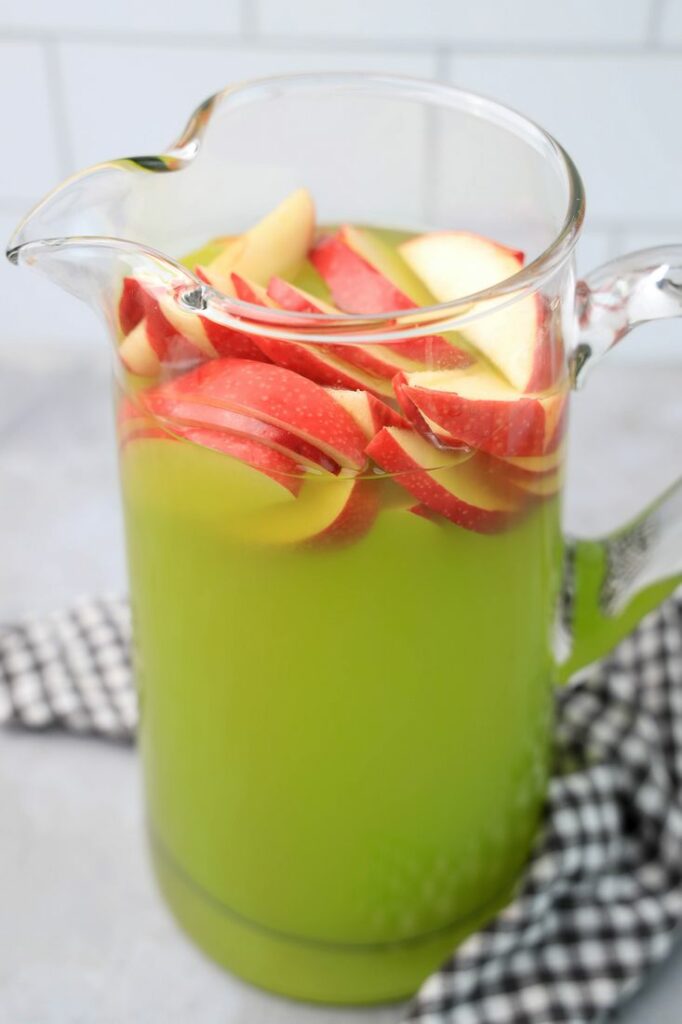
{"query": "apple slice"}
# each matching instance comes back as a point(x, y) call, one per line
point(206, 253)
point(385, 359)
point(366, 275)
point(455, 485)
point(542, 485)
point(277, 244)
point(131, 304)
point(274, 395)
point(279, 467)
point(326, 511)
point(133, 423)
point(369, 412)
point(316, 362)
point(477, 407)
point(532, 466)
point(209, 336)
point(174, 330)
point(137, 353)
point(379, 360)
point(162, 404)
point(455, 264)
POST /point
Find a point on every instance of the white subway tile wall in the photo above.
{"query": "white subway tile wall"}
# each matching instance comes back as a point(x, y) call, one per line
point(82, 82)
point(671, 24)
point(450, 23)
point(153, 100)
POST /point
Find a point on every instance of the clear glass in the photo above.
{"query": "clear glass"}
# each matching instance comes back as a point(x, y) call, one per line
point(350, 591)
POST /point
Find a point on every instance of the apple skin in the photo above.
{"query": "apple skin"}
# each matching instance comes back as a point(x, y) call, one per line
point(497, 419)
point(280, 468)
point(168, 325)
point(162, 404)
point(138, 423)
point(131, 305)
point(277, 396)
point(379, 361)
point(457, 486)
point(356, 286)
point(359, 287)
point(316, 362)
point(516, 339)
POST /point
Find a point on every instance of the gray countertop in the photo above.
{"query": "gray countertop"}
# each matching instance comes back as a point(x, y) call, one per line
point(84, 937)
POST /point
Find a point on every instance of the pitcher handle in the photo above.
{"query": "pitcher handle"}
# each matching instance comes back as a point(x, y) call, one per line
point(611, 582)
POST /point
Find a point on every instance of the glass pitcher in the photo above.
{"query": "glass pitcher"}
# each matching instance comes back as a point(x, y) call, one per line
point(351, 596)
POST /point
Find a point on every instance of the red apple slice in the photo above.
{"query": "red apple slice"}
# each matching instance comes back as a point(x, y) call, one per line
point(455, 264)
point(163, 404)
point(278, 396)
point(455, 485)
point(133, 423)
point(279, 467)
point(212, 338)
point(278, 244)
point(366, 275)
point(477, 407)
point(316, 362)
point(532, 466)
point(131, 305)
point(137, 353)
point(369, 412)
point(326, 511)
point(379, 360)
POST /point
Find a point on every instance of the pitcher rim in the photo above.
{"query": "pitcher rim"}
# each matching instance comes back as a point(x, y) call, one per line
point(187, 146)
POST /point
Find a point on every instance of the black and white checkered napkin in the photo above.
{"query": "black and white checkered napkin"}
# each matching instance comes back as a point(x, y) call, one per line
point(601, 900)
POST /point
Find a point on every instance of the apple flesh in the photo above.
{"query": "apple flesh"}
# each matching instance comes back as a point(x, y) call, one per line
point(277, 396)
point(454, 485)
point(276, 245)
point(137, 354)
point(326, 511)
point(369, 412)
point(455, 264)
point(541, 486)
point(477, 407)
point(532, 466)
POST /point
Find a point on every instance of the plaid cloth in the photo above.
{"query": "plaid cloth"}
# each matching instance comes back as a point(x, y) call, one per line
point(601, 899)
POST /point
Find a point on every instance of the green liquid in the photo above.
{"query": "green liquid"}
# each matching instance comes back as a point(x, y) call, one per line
point(345, 748)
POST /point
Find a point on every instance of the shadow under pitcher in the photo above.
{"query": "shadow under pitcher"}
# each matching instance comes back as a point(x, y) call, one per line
point(345, 327)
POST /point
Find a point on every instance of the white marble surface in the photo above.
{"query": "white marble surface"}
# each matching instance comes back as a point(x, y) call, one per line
point(84, 937)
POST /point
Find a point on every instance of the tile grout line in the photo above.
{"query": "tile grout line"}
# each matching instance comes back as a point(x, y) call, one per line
point(445, 58)
point(57, 103)
point(251, 34)
point(653, 33)
point(248, 18)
